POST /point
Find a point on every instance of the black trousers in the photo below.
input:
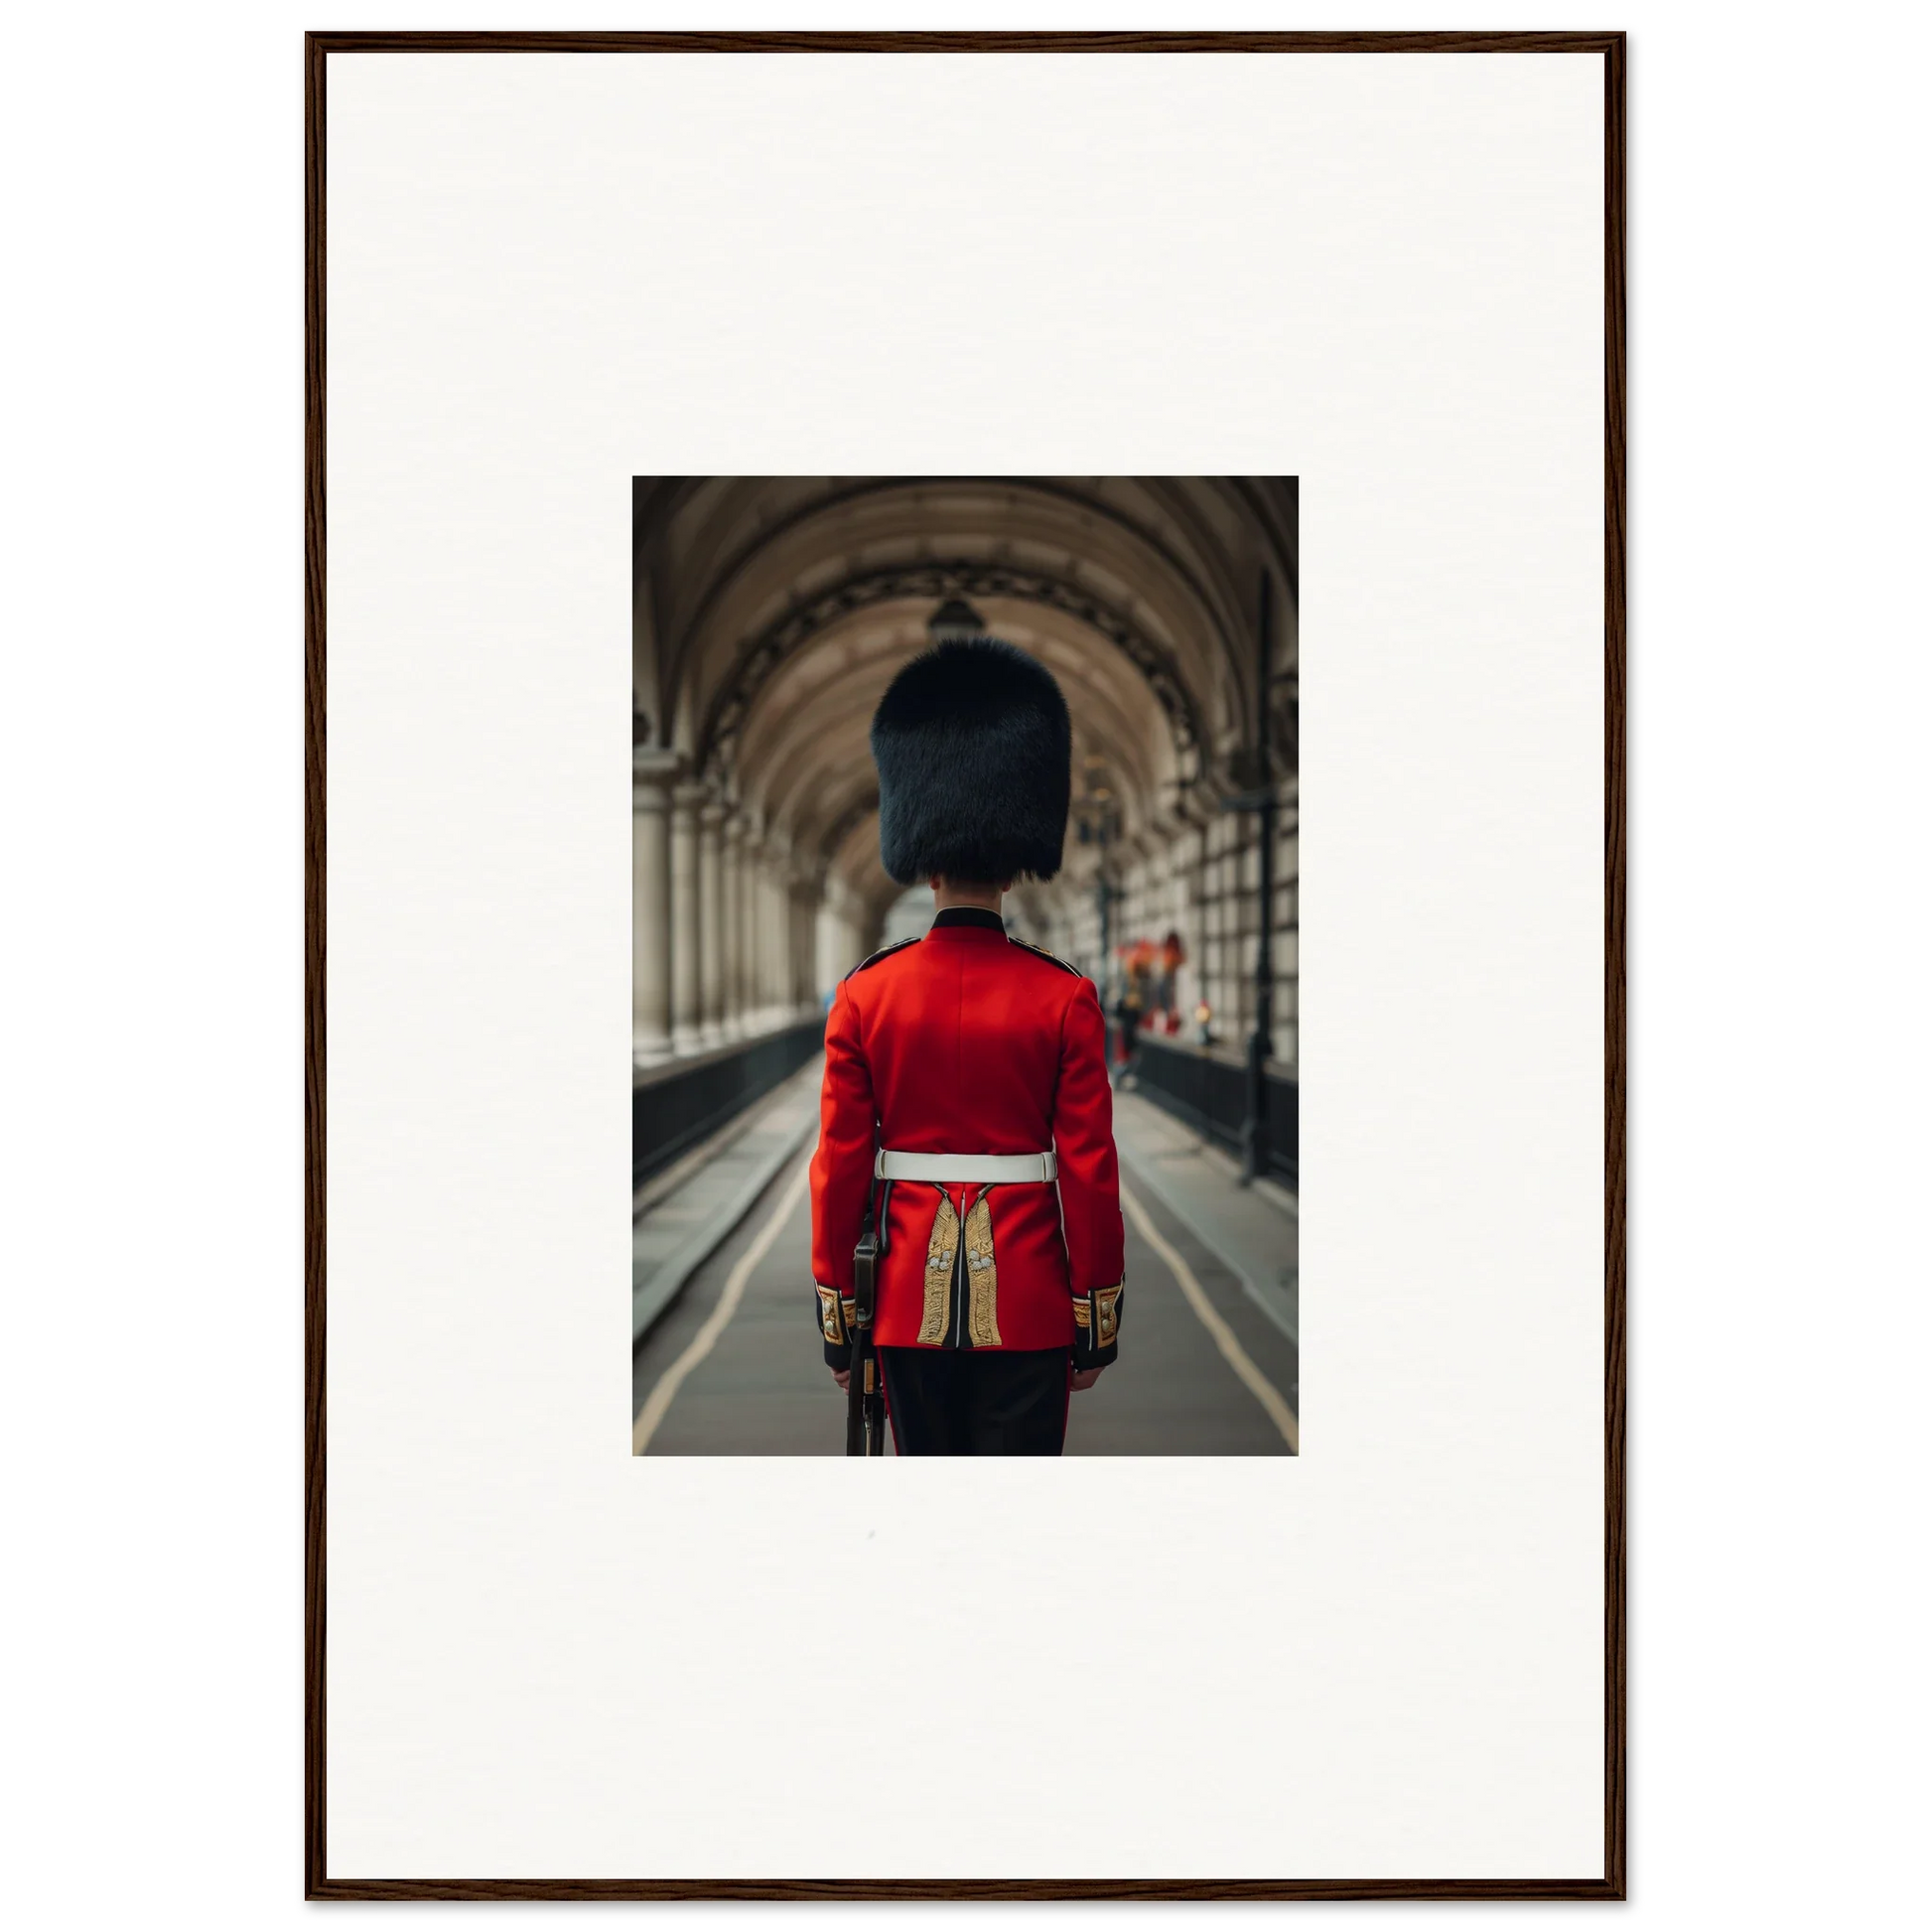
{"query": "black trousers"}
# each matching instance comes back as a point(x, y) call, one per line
point(977, 1401)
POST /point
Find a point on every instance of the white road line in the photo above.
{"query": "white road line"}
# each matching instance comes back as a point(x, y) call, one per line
point(1258, 1385)
point(702, 1343)
point(1268, 1300)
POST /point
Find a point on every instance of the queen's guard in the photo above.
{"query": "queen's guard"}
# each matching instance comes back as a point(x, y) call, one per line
point(965, 1194)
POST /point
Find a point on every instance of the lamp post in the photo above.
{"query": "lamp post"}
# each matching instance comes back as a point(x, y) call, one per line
point(1262, 802)
point(955, 618)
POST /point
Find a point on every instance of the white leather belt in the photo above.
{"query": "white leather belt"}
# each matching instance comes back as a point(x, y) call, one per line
point(895, 1165)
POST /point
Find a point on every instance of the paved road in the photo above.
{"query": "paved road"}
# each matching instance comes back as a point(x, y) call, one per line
point(762, 1387)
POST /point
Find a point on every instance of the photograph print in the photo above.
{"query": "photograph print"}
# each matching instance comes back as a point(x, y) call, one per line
point(966, 920)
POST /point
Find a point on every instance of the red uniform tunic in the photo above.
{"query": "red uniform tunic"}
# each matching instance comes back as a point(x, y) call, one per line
point(968, 1042)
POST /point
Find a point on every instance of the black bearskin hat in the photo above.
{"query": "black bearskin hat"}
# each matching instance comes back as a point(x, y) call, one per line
point(975, 757)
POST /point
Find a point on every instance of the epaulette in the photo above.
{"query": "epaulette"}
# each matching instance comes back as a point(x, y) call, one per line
point(1053, 958)
point(884, 952)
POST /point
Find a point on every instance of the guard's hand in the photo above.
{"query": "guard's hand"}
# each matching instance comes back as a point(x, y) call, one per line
point(843, 1377)
point(1085, 1378)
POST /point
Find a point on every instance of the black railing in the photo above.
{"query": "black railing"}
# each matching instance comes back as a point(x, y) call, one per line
point(675, 1106)
point(1207, 1087)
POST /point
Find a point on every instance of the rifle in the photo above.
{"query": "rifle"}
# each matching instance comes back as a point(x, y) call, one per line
point(864, 1399)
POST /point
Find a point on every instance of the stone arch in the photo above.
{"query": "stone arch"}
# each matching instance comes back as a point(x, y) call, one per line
point(935, 582)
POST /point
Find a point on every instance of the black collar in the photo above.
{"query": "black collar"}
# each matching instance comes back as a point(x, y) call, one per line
point(969, 915)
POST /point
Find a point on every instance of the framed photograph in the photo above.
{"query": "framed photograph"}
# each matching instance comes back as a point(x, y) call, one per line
point(1046, 1032)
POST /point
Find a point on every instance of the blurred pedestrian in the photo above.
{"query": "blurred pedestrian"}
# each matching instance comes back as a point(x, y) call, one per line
point(1172, 957)
point(1130, 1010)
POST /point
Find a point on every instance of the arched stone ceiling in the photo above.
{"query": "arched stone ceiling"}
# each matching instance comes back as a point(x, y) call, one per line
point(796, 630)
point(771, 612)
point(1178, 560)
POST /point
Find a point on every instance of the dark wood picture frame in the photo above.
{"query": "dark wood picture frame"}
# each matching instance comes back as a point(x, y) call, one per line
point(1612, 48)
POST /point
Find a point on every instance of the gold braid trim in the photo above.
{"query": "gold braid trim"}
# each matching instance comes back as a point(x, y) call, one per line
point(831, 1312)
point(938, 1271)
point(1106, 1313)
point(982, 1279)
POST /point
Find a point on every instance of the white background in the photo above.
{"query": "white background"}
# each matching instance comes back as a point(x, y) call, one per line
point(1383, 1659)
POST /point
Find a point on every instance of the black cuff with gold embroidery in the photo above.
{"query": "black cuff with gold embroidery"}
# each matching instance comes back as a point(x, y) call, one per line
point(1096, 1326)
point(835, 1325)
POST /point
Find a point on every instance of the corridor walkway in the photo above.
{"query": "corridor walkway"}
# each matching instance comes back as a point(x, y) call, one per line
point(733, 1367)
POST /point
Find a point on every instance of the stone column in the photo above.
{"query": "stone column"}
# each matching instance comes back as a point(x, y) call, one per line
point(787, 956)
point(805, 916)
point(687, 951)
point(828, 943)
point(794, 926)
point(808, 946)
point(834, 937)
point(747, 927)
point(712, 988)
point(652, 772)
point(736, 926)
point(777, 930)
point(757, 997)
